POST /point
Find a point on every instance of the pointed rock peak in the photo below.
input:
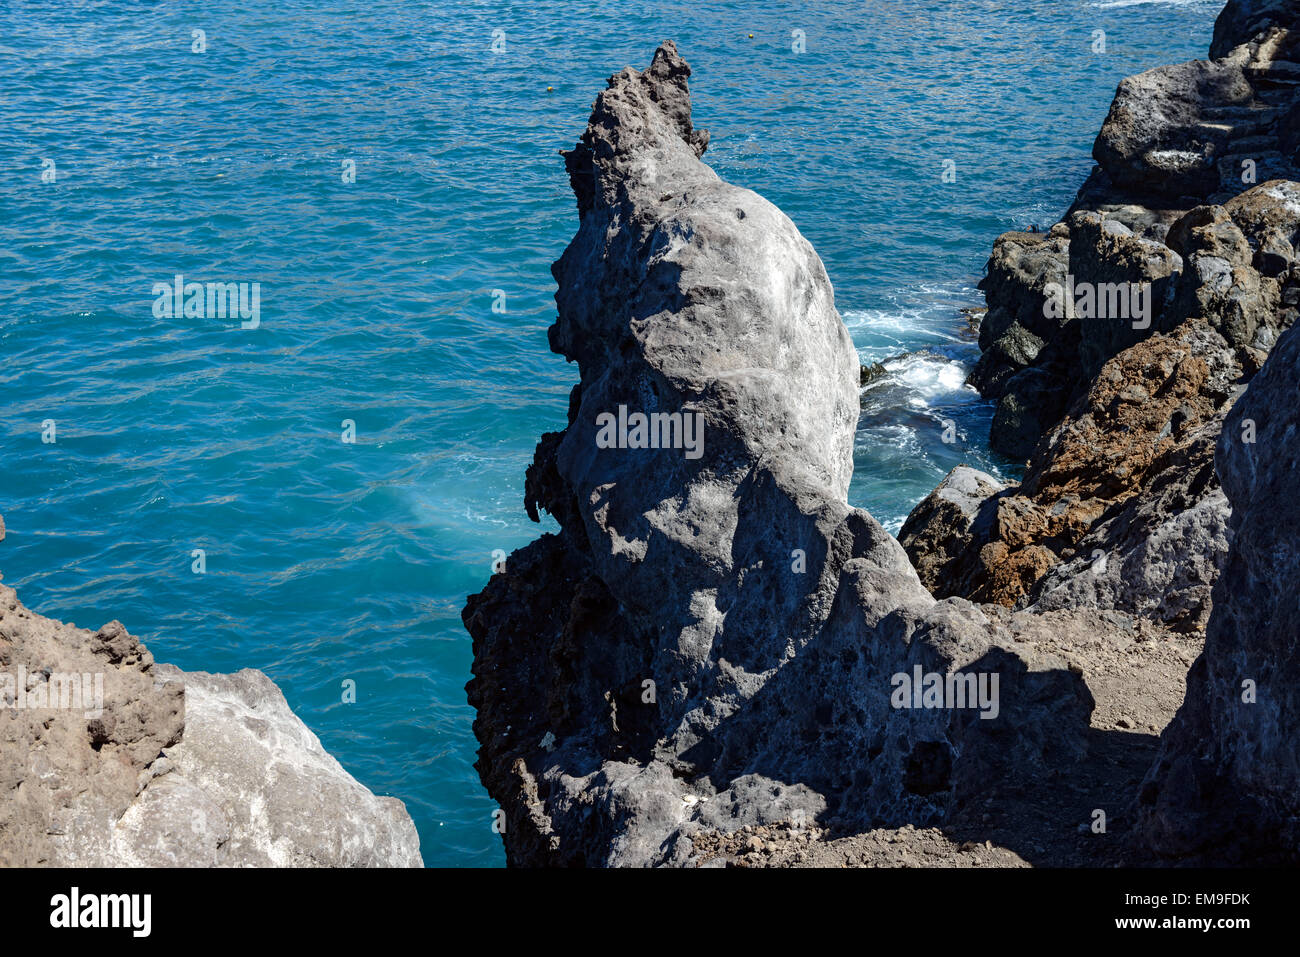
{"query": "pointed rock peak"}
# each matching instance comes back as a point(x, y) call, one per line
point(637, 113)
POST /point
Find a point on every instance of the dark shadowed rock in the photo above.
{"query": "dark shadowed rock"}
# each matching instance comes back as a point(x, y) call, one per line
point(1033, 399)
point(1250, 21)
point(1015, 329)
point(1227, 782)
point(1131, 279)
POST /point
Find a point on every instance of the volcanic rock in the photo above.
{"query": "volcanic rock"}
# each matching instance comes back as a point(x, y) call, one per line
point(1226, 786)
point(108, 759)
point(714, 642)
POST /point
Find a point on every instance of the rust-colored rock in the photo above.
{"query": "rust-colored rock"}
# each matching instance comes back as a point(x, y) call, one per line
point(1142, 412)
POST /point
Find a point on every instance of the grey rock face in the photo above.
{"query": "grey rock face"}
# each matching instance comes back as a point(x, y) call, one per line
point(250, 785)
point(151, 766)
point(1185, 131)
point(1168, 127)
point(1106, 254)
point(939, 529)
point(1220, 284)
point(1227, 782)
point(1199, 134)
point(726, 303)
point(1269, 219)
point(712, 641)
point(1016, 334)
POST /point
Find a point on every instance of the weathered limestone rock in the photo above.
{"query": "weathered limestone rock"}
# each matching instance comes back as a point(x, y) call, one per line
point(250, 785)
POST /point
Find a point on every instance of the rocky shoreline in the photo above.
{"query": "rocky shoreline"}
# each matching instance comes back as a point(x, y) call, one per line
point(702, 667)
point(110, 759)
point(1194, 203)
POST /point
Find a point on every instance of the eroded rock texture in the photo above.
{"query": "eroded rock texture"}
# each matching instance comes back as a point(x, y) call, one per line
point(1179, 142)
point(148, 765)
point(700, 662)
point(1119, 507)
point(1183, 132)
point(711, 641)
point(1116, 402)
point(1226, 786)
point(1161, 459)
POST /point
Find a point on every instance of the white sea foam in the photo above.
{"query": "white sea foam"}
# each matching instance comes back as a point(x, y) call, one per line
point(928, 375)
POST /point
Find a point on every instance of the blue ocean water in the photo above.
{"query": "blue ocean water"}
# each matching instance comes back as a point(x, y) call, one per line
point(328, 560)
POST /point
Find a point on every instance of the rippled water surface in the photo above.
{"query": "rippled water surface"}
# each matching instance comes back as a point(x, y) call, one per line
point(326, 560)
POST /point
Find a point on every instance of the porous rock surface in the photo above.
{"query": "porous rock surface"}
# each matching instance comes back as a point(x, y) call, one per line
point(709, 643)
point(696, 669)
point(1160, 481)
point(1226, 785)
point(1117, 415)
point(1194, 193)
point(168, 768)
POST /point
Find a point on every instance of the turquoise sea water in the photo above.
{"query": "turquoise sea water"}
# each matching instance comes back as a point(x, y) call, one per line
point(327, 560)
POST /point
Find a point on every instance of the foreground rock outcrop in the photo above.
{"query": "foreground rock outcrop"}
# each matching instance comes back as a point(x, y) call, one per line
point(108, 759)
